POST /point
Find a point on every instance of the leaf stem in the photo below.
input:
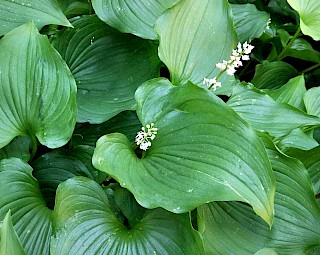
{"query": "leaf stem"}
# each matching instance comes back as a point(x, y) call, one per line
point(295, 36)
point(34, 146)
point(310, 68)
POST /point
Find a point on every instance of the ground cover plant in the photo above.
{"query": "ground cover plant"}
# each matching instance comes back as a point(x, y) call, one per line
point(159, 127)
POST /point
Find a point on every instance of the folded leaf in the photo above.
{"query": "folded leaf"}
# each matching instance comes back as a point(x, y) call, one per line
point(14, 13)
point(21, 194)
point(85, 224)
point(130, 16)
point(32, 104)
point(203, 152)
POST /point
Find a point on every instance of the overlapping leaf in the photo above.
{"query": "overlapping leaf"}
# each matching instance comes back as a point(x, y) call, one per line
point(312, 102)
point(19, 147)
point(21, 194)
point(203, 152)
point(248, 21)
point(9, 241)
point(265, 114)
point(130, 16)
point(37, 90)
point(107, 65)
point(84, 223)
point(191, 47)
point(309, 12)
point(232, 228)
point(14, 13)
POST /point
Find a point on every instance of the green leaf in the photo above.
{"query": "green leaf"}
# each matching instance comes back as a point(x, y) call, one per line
point(309, 12)
point(19, 147)
point(203, 152)
point(55, 167)
point(266, 251)
point(233, 228)
point(130, 16)
point(107, 65)
point(265, 114)
point(73, 8)
point(14, 13)
point(191, 47)
point(248, 21)
point(291, 93)
point(85, 224)
point(272, 75)
point(9, 243)
point(311, 100)
point(21, 194)
point(126, 122)
point(33, 105)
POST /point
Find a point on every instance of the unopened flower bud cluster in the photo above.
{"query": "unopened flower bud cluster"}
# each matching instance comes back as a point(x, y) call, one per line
point(145, 136)
point(241, 53)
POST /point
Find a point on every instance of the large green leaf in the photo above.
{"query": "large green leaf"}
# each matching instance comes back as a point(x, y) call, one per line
point(126, 122)
point(9, 243)
point(309, 12)
point(19, 147)
point(21, 194)
point(84, 223)
point(55, 167)
point(195, 35)
point(272, 75)
point(130, 16)
point(233, 228)
point(203, 152)
point(248, 21)
point(265, 114)
point(37, 90)
point(14, 13)
point(107, 65)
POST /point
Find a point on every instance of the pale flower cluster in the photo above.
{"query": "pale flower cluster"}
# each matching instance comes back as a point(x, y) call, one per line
point(145, 136)
point(240, 53)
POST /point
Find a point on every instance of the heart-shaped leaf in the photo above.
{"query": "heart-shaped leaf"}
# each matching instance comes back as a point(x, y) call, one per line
point(107, 65)
point(9, 241)
point(130, 16)
point(195, 35)
point(248, 21)
point(309, 12)
point(265, 114)
point(55, 167)
point(14, 13)
point(31, 104)
point(21, 194)
point(203, 152)
point(84, 223)
point(233, 228)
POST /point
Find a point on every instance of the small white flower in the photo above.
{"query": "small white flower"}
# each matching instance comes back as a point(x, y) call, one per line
point(212, 83)
point(143, 137)
point(222, 66)
point(268, 23)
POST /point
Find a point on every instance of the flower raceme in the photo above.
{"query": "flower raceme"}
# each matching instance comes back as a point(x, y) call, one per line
point(240, 53)
point(145, 136)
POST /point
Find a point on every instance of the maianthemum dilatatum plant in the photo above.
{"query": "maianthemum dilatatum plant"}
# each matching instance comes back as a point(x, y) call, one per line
point(169, 127)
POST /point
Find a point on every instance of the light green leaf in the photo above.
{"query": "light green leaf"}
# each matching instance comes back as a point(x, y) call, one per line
point(291, 93)
point(203, 152)
point(55, 167)
point(130, 16)
point(21, 194)
point(14, 13)
point(107, 65)
point(233, 228)
point(265, 114)
point(19, 147)
point(266, 251)
point(309, 12)
point(272, 75)
point(85, 224)
point(9, 243)
point(31, 104)
point(248, 21)
point(195, 35)
point(312, 102)
point(126, 122)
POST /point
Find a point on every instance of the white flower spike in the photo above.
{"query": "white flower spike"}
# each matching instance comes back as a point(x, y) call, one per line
point(143, 137)
point(241, 53)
